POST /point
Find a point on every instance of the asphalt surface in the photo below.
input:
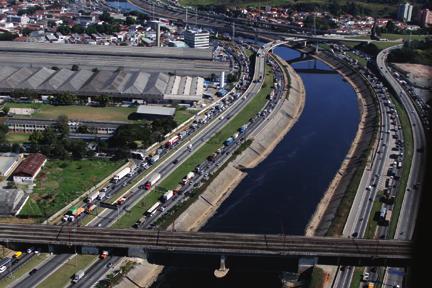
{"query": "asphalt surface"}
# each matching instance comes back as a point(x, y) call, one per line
point(411, 202)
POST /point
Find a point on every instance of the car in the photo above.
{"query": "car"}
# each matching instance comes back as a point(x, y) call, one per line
point(355, 234)
point(109, 265)
point(365, 276)
point(175, 161)
point(33, 271)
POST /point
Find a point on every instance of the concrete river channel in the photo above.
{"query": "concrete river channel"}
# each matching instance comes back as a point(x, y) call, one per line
point(281, 194)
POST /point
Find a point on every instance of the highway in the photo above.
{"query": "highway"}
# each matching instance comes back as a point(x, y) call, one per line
point(108, 217)
point(409, 210)
point(211, 243)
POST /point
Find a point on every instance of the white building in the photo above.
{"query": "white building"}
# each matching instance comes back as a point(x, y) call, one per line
point(197, 38)
point(405, 12)
point(29, 168)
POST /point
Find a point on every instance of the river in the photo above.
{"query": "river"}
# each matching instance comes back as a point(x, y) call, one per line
point(281, 194)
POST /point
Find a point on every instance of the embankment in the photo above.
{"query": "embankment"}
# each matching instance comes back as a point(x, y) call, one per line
point(330, 214)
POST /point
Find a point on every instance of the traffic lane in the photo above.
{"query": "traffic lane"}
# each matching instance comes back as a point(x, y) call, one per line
point(43, 272)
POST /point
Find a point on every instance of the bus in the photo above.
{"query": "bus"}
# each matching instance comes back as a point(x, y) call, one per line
point(153, 209)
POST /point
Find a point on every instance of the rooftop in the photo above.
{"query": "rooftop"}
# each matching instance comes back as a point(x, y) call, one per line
point(155, 110)
point(30, 165)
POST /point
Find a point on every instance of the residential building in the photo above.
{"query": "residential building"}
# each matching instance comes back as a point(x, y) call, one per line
point(197, 38)
point(405, 12)
point(425, 18)
point(29, 168)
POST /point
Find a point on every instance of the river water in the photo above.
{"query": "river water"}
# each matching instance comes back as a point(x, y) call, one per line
point(281, 194)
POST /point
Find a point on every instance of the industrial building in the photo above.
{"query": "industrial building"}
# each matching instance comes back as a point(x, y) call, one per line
point(131, 85)
point(29, 168)
point(8, 162)
point(197, 38)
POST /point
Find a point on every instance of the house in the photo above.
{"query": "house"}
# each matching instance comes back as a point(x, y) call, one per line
point(29, 168)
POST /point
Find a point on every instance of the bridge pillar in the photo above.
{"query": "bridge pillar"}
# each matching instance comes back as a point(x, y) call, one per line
point(222, 271)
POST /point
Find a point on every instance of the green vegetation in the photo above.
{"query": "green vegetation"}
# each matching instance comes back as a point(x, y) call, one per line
point(372, 223)
point(370, 7)
point(406, 166)
point(361, 61)
point(183, 114)
point(416, 52)
point(317, 279)
point(62, 276)
point(17, 137)
point(357, 277)
point(23, 270)
point(61, 182)
point(76, 112)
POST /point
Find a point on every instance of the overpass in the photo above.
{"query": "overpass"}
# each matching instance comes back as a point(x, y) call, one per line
point(161, 247)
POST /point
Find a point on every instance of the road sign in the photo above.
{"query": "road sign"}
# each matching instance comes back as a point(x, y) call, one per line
point(396, 271)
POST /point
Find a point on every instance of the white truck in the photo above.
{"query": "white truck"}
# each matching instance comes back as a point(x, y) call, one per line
point(121, 174)
point(78, 276)
point(92, 196)
point(167, 195)
point(153, 180)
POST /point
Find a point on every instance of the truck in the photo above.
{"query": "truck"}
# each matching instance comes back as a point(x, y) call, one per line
point(78, 212)
point(93, 196)
point(101, 195)
point(388, 216)
point(154, 159)
point(153, 209)
point(78, 276)
point(167, 195)
point(188, 177)
point(152, 181)
point(17, 255)
point(172, 141)
point(235, 135)
point(189, 146)
point(182, 134)
point(229, 141)
point(121, 174)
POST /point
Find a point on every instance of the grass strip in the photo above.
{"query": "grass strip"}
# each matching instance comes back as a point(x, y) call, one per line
point(372, 223)
point(62, 276)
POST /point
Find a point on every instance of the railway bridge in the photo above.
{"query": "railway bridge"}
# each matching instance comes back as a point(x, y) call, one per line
point(208, 248)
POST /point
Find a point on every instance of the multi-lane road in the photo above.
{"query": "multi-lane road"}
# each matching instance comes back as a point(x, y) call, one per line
point(411, 202)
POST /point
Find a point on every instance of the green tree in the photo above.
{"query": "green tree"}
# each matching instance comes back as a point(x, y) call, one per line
point(103, 100)
point(130, 21)
point(77, 28)
point(64, 29)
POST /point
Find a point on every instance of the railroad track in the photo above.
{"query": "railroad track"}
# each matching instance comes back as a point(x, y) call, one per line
point(204, 242)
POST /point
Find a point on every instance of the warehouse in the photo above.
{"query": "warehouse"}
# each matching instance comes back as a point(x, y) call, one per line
point(8, 162)
point(152, 112)
point(120, 85)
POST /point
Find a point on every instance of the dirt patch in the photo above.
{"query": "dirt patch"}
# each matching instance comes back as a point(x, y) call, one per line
point(419, 75)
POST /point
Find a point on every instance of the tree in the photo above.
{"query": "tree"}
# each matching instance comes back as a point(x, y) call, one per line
point(130, 21)
point(103, 100)
point(105, 16)
point(62, 126)
point(7, 36)
point(52, 24)
point(64, 29)
point(78, 148)
point(391, 27)
point(6, 110)
point(77, 28)
point(26, 31)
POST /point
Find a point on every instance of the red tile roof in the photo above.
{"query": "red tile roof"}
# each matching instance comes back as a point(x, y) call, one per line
point(30, 165)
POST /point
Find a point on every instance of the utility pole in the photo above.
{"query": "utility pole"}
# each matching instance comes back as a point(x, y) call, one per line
point(196, 17)
point(314, 33)
point(153, 11)
point(233, 31)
